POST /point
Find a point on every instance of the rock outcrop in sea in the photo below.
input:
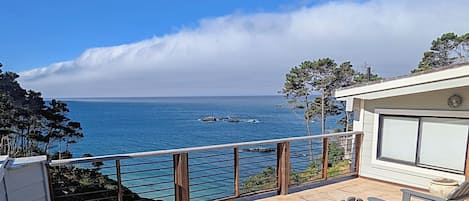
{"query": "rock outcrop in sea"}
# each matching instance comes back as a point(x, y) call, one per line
point(228, 119)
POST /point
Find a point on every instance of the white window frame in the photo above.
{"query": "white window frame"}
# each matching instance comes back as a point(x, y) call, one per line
point(408, 168)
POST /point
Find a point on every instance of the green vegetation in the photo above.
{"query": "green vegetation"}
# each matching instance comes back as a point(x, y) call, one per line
point(311, 173)
point(73, 180)
point(339, 168)
point(336, 152)
point(447, 49)
point(302, 83)
point(267, 179)
point(29, 126)
point(321, 76)
point(264, 180)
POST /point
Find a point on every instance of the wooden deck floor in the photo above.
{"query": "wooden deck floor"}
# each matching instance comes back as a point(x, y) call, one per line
point(358, 187)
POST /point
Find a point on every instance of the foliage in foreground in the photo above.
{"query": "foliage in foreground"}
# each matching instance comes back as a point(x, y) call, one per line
point(267, 179)
point(73, 180)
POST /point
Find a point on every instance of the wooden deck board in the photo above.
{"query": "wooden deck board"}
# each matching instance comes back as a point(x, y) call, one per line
point(359, 187)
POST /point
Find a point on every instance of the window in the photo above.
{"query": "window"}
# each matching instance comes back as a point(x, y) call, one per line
point(399, 144)
point(431, 142)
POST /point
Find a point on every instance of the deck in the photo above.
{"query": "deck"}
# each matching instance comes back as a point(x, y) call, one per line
point(358, 187)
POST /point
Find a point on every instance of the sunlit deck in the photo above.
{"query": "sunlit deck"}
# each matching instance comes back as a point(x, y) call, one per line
point(358, 187)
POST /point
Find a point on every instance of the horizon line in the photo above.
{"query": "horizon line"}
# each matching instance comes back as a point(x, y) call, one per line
point(184, 96)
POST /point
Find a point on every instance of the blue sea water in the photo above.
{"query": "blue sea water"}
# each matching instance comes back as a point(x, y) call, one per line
point(126, 125)
point(123, 125)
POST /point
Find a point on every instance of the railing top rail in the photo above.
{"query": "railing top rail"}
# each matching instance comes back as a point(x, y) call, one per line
point(192, 149)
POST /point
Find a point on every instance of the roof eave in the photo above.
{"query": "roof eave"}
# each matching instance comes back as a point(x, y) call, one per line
point(437, 80)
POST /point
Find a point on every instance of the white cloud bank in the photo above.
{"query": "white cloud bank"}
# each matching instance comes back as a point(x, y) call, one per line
point(249, 54)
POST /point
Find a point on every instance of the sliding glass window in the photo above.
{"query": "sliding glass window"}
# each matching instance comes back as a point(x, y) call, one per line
point(443, 142)
point(398, 138)
point(431, 142)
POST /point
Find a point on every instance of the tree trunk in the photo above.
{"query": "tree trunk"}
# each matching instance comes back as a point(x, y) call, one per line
point(310, 142)
point(347, 119)
point(47, 147)
point(323, 114)
point(60, 149)
point(308, 128)
point(14, 145)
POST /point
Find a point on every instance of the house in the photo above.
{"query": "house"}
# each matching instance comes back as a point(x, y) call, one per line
point(415, 127)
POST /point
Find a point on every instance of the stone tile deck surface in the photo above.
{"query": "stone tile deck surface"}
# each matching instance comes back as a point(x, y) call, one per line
point(358, 187)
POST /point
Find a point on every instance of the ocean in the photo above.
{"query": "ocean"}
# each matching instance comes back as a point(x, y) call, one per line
point(124, 125)
point(127, 125)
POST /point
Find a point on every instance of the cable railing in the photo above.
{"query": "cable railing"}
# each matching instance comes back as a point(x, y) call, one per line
point(218, 172)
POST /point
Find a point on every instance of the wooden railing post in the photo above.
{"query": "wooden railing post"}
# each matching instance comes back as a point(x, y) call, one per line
point(236, 172)
point(358, 144)
point(181, 177)
point(325, 157)
point(283, 167)
point(120, 192)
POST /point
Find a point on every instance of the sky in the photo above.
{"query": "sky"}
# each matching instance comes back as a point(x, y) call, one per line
point(111, 48)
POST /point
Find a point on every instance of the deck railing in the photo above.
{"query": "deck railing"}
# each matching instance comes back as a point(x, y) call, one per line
point(218, 172)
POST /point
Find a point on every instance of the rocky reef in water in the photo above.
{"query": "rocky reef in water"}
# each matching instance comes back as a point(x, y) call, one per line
point(228, 119)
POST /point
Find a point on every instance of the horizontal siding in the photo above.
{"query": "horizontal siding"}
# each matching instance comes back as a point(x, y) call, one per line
point(436, 100)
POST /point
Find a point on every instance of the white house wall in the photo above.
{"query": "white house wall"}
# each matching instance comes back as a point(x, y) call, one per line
point(398, 173)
